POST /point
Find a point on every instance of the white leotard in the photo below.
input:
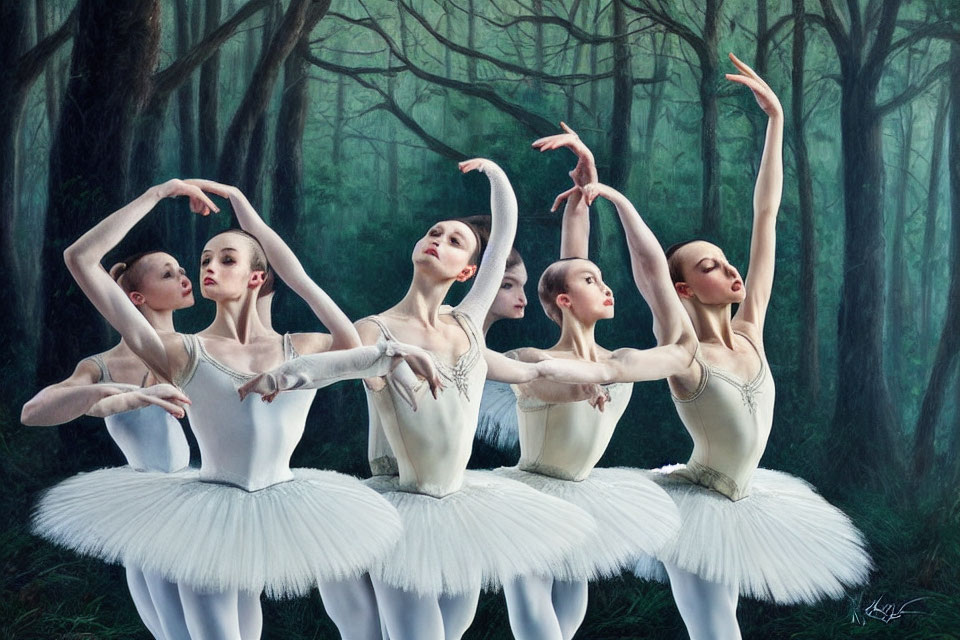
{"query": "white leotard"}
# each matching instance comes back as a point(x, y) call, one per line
point(149, 438)
point(248, 443)
point(567, 440)
point(433, 445)
point(729, 421)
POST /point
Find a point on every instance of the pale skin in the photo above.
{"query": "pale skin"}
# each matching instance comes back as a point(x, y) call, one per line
point(711, 284)
point(441, 258)
point(163, 289)
point(237, 337)
point(586, 299)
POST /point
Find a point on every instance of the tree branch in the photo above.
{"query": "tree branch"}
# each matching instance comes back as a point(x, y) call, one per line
point(169, 79)
point(672, 25)
point(914, 90)
point(933, 30)
point(31, 63)
point(388, 104)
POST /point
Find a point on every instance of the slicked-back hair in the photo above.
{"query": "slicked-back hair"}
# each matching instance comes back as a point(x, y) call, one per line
point(481, 227)
point(553, 282)
point(258, 257)
point(128, 273)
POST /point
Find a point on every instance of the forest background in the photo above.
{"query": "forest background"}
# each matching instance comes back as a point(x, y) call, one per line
point(342, 121)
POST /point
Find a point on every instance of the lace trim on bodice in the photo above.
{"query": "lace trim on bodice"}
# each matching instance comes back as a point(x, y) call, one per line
point(195, 350)
point(459, 372)
point(748, 391)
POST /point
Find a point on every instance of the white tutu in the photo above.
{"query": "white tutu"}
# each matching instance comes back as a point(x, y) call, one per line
point(497, 424)
point(489, 532)
point(783, 542)
point(216, 537)
point(634, 516)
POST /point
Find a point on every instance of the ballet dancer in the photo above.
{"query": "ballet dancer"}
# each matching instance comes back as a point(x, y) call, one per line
point(461, 528)
point(245, 522)
point(745, 530)
point(140, 413)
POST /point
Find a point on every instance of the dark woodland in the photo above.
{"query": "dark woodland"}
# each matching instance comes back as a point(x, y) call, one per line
point(342, 120)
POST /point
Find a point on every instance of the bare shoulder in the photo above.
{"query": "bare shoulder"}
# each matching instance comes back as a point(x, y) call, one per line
point(86, 372)
point(749, 329)
point(307, 343)
point(368, 330)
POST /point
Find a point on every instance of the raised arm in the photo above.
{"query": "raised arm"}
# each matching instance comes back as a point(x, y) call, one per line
point(287, 266)
point(766, 200)
point(671, 324)
point(575, 233)
point(83, 260)
point(503, 209)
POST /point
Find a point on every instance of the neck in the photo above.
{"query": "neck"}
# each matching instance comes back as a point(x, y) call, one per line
point(577, 337)
point(159, 320)
point(423, 299)
point(264, 304)
point(711, 322)
point(238, 319)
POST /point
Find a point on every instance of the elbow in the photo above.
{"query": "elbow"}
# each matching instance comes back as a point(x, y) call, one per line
point(29, 415)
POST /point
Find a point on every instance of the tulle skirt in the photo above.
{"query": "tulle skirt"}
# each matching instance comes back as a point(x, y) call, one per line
point(216, 537)
point(634, 516)
point(489, 532)
point(782, 543)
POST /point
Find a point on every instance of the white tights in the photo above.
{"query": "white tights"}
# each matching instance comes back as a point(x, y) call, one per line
point(708, 609)
point(224, 615)
point(408, 616)
point(352, 605)
point(158, 603)
point(541, 608)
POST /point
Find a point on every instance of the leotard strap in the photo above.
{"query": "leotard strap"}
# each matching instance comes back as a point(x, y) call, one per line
point(104, 372)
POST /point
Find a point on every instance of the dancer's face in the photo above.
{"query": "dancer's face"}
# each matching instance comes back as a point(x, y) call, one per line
point(225, 271)
point(446, 251)
point(511, 300)
point(163, 286)
point(708, 275)
point(587, 297)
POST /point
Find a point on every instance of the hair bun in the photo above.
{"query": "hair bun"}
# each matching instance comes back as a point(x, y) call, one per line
point(117, 270)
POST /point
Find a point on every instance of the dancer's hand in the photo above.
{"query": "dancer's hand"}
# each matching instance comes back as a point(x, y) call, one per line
point(586, 170)
point(765, 96)
point(476, 164)
point(264, 383)
point(199, 202)
point(420, 362)
point(165, 396)
point(597, 396)
point(592, 191)
point(216, 188)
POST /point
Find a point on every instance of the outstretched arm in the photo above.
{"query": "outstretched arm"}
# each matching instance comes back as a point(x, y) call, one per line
point(671, 324)
point(503, 209)
point(512, 368)
point(575, 233)
point(323, 369)
point(287, 266)
point(83, 260)
point(82, 394)
point(766, 200)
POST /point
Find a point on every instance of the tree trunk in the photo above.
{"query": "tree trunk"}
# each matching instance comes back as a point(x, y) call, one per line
point(113, 56)
point(52, 97)
point(946, 361)
point(252, 182)
point(655, 93)
point(930, 223)
point(898, 293)
point(709, 154)
point(19, 69)
point(594, 68)
point(538, 46)
point(208, 109)
point(259, 91)
point(471, 40)
point(185, 96)
point(862, 442)
point(810, 336)
point(620, 116)
point(288, 174)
